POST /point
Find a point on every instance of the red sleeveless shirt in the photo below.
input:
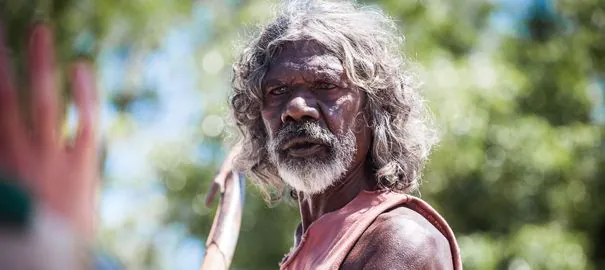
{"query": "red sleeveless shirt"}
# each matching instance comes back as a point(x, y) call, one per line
point(329, 239)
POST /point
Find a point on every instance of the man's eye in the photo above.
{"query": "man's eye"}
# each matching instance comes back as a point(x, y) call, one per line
point(278, 90)
point(325, 86)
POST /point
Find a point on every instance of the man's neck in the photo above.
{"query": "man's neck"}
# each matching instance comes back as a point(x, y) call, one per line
point(314, 206)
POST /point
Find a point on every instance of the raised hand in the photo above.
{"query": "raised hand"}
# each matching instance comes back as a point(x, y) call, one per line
point(62, 174)
point(218, 184)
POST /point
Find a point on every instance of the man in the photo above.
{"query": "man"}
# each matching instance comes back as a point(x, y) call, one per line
point(327, 109)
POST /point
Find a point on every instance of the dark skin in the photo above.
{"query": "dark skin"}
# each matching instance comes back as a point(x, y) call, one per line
point(307, 82)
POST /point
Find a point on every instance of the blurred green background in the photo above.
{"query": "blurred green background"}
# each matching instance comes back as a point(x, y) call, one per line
point(517, 88)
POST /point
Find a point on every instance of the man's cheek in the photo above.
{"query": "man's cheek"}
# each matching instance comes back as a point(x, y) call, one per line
point(338, 119)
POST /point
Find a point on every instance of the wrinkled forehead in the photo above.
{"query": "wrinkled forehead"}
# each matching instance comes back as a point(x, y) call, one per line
point(304, 56)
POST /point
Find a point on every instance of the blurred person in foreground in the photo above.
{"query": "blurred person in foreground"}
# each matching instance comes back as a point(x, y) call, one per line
point(48, 183)
point(326, 108)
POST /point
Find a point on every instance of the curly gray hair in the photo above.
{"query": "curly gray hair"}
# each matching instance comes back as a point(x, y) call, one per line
point(368, 44)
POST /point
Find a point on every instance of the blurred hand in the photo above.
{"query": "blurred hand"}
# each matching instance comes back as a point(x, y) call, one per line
point(61, 174)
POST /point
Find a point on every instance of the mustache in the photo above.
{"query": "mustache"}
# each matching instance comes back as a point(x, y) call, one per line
point(308, 129)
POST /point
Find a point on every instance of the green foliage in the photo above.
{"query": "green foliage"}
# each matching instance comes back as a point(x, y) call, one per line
point(266, 232)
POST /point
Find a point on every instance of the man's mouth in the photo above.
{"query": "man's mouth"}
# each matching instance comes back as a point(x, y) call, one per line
point(303, 147)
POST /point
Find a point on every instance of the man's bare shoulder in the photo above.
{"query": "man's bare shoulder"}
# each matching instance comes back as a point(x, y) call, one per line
point(400, 239)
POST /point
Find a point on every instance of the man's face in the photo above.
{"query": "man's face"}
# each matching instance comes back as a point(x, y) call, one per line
point(313, 116)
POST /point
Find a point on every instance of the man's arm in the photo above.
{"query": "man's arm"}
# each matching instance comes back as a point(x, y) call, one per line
point(400, 239)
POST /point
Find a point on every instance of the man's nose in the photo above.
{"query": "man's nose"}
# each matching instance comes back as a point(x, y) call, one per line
point(300, 108)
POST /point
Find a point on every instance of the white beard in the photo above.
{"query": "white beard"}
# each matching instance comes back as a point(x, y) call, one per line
point(315, 175)
point(313, 178)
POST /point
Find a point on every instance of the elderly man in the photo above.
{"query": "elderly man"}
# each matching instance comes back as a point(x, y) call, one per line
point(328, 111)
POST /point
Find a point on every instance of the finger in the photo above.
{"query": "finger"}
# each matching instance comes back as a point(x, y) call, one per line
point(218, 185)
point(11, 136)
point(211, 194)
point(84, 151)
point(44, 90)
point(84, 91)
